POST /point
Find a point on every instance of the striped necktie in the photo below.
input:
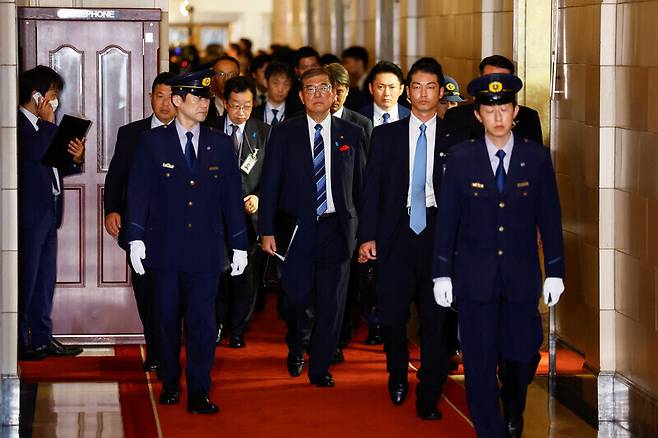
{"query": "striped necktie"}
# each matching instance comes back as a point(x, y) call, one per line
point(320, 174)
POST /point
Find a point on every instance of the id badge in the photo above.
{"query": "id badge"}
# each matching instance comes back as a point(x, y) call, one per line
point(249, 163)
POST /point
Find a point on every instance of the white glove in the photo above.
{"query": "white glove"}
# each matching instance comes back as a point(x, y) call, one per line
point(137, 254)
point(239, 262)
point(553, 288)
point(443, 291)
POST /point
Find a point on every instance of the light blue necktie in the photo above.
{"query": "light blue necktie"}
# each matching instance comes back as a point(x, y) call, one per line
point(386, 117)
point(320, 174)
point(418, 220)
point(500, 171)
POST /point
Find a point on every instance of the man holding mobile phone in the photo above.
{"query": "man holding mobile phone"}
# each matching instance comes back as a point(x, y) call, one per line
point(40, 207)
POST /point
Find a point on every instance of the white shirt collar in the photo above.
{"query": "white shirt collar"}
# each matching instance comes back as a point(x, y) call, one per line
point(228, 123)
point(339, 113)
point(31, 117)
point(196, 129)
point(414, 122)
point(326, 123)
point(155, 122)
point(393, 112)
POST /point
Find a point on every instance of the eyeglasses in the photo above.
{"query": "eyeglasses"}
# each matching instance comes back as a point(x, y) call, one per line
point(238, 108)
point(227, 75)
point(322, 89)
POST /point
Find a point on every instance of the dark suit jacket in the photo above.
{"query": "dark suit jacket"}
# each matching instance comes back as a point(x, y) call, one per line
point(212, 119)
point(35, 180)
point(360, 120)
point(386, 187)
point(471, 247)
point(181, 214)
point(288, 181)
point(255, 135)
point(463, 125)
point(369, 111)
point(116, 180)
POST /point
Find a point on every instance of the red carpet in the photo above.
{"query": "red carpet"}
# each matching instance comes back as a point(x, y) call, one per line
point(258, 398)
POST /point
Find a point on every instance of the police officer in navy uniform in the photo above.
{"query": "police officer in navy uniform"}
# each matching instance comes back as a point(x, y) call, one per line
point(183, 195)
point(497, 191)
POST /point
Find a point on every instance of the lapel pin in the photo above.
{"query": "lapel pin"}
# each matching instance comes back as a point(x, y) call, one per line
point(167, 165)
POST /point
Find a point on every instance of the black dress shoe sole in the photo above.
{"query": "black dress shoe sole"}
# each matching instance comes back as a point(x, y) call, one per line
point(431, 416)
point(32, 356)
point(173, 400)
point(205, 410)
point(64, 352)
point(323, 383)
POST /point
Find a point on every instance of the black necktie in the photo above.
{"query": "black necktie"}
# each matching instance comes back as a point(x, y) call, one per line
point(274, 119)
point(500, 171)
point(190, 154)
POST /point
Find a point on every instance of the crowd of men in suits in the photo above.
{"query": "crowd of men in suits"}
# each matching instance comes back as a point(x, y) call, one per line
point(398, 198)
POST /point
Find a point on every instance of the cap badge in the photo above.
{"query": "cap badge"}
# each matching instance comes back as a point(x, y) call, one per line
point(495, 87)
point(205, 82)
point(450, 87)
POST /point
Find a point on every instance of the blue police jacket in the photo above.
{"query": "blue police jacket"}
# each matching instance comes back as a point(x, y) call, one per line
point(481, 232)
point(180, 214)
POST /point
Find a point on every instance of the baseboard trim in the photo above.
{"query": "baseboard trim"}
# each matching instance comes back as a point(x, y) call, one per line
point(627, 405)
point(110, 339)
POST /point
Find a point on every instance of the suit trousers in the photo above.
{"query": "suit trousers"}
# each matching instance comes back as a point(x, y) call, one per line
point(190, 296)
point(503, 335)
point(37, 254)
point(143, 291)
point(405, 276)
point(237, 295)
point(321, 300)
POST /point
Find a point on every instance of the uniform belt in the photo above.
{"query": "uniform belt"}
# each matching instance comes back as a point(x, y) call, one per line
point(429, 211)
point(325, 216)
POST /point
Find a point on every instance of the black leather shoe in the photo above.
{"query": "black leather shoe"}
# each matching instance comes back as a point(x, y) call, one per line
point(201, 404)
point(56, 348)
point(237, 341)
point(338, 357)
point(374, 336)
point(325, 381)
point(427, 410)
point(220, 329)
point(151, 365)
point(397, 389)
point(169, 395)
point(295, 365)
point(28, 353)
point(514, 428)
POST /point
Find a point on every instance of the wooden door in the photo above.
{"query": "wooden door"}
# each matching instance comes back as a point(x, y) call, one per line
point(103, 66)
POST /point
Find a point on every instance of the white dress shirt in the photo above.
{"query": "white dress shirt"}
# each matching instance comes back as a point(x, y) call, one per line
point(339, 114)
point(183, 138)
point(492, 149)
point(326, 138)
point(430, 134)
point(33, 120)
point(378, 115)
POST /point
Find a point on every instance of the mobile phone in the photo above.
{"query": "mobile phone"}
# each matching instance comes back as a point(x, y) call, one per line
point(37, 97)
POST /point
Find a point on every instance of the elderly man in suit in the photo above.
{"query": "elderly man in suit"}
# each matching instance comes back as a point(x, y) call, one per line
point(40, 208)
point(386, 86)
point(396, 229)
point(183, 192)
point(238, 295)
point(497, 191)
point(464, 124)
point(313, 172)
point(114, 201)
